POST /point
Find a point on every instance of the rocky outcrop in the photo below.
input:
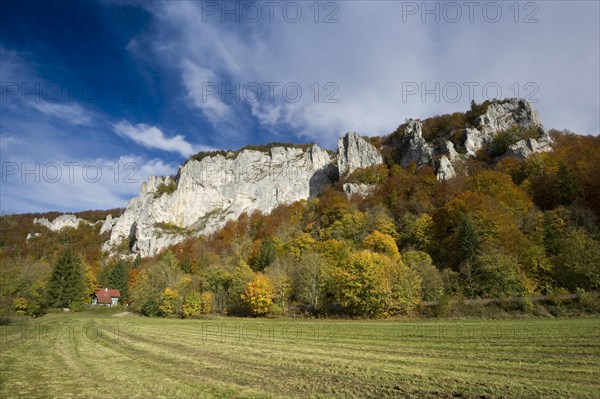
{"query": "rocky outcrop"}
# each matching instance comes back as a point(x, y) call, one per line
point(445, 169)
point(61, 222)
point(108, 224)
point(218, 189)
point(31, 236)
point(525, 148)
point(354, 152)
point(412, 147)
point(209, 192)
point(352, 189)
point(447, 147)
point(416, 149)
point(500, 116)
point(474, 141)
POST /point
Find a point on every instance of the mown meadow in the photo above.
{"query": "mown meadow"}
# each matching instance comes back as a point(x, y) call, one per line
point(84, 355)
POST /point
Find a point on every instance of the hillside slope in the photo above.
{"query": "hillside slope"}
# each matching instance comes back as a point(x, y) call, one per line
point(213, 189)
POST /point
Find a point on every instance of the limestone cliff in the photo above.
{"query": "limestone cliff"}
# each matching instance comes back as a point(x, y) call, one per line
point(211, 190)
point(207, 193)
point(355, 152)
point(61, 222)
point(410, 146)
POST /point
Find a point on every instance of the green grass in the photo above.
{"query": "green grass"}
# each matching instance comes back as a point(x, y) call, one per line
point(99, 356)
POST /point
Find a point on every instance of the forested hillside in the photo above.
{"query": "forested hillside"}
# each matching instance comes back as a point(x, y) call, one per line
point(503, 227)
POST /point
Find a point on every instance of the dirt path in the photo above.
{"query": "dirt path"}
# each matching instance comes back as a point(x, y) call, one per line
point(122, 314)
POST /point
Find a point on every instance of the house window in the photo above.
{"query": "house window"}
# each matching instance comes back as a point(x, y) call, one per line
point(114, 301)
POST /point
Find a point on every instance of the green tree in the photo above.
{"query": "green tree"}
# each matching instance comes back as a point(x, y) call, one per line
point(146, 296)
point(468, 239)
point(496, 274)
point(432, 282)
point(577, 265)
point(371, 284)
point(240, 278)
point(309, 281)
point(67, 286)
point(279, 275)
point(265, 257)
point(360, 286)
point(207, 302)
point(567, 184)
point(423, 231)
point(118, 278)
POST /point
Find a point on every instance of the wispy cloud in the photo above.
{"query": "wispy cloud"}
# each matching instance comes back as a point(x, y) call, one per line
point(100, 183)
point(153, 137)
point(73, 114)
point(21, 86)
point(370, 54)
point(195, 79)
point(62, 156)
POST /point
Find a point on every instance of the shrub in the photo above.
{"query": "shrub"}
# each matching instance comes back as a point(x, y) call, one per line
point(588, 300)
point(443, 307)
point(370, 175)
point(443, 125)
point(526, 304)
point(167, 187)
point(557, 297)
point(502, 141)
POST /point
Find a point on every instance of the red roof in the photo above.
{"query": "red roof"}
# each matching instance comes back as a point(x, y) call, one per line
point(105, 295)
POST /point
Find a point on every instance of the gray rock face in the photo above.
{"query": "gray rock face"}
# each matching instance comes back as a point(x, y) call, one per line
point(354, 153)
point(61, 222)
point(359, 189)
point(474, 141)
point(501, 116)
point(445, 169)
point(448, 148)
point(498, 117)
point(417, 149)
point(108, 224)
point(525, 148)
point(31, 236)
point(218, 189)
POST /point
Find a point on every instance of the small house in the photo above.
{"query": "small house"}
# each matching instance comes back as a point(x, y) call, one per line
point(106, 296)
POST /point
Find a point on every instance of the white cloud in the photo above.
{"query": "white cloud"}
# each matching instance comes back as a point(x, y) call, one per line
point(79, 184)
point(71, 113)
point(153, 137)
point(197, 80)
point(371, 53)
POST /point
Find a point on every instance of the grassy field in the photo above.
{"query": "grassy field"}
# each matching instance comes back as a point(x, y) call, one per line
point(102, 356)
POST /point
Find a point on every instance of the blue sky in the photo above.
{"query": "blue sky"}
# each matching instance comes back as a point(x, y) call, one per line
point(98, 95)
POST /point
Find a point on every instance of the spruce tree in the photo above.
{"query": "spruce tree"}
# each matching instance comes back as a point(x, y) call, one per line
point(468, 239)
point(567, 184)
point(66, 286)
point(118, 279)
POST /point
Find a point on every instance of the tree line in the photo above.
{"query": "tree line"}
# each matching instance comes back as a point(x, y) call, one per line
point(503, 228)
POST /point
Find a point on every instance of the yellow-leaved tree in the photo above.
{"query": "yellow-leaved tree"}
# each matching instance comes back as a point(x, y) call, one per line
point(382, 243)
point(259, 295)
point(373, 284)
point(168, 303)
